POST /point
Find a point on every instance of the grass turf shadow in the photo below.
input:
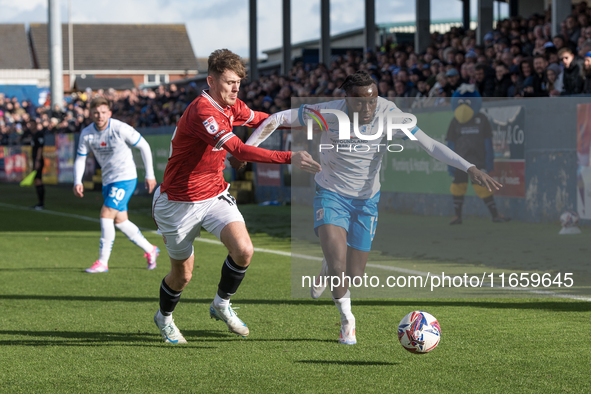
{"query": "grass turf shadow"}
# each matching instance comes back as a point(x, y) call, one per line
point(559, 305)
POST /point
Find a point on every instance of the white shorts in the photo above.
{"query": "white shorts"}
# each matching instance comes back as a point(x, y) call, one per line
point(180, 222)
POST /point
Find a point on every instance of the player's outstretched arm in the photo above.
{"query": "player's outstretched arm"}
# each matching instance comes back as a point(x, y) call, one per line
point(268, 126)
point(254, 154)
point(445, 155)
point(263, 132)
point(79, 165)
point(305, 162)
point(144, 149)
point(483, 179)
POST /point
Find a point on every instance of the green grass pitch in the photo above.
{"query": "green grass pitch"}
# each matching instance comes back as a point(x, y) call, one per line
point(65, 331)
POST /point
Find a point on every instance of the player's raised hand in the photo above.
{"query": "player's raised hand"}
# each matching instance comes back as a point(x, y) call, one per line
point(79, 190)
point(150, 185)
point(483, 179)
point(235, 163)
point(304, 162)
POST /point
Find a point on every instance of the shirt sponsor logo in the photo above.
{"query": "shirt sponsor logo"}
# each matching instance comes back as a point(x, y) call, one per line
point(211, 125)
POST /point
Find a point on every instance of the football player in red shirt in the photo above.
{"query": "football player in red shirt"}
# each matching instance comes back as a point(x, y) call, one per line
point(194, 193)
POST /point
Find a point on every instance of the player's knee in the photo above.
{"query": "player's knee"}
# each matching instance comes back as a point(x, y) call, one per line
point(186, 278)
point(242, 254)
point(180, 279)
point(336, 267)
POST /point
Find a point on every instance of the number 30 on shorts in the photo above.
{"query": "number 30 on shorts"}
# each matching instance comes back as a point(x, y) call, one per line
point(117, 193)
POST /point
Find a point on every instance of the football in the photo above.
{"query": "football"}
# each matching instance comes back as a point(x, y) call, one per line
point(569, 219)
point(419, 332)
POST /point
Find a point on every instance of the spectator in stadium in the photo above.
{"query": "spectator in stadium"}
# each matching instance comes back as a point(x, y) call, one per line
point(502, 80)
point(554, 75)
point(484, 82)
point(573, 78)
point(525, 71)
point(573, 29)
point(540, 79)
point(453, 82)
point(587, 67)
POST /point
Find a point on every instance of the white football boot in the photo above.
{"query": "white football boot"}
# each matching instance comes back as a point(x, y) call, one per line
point(170, 332)
point(228, 316)
point(347, 335)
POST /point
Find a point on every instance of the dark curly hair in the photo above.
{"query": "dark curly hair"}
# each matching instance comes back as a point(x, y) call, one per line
point(360, 78)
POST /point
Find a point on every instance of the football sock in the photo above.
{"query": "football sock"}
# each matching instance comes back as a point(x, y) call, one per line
point(41, 194)
point(232, 275)
point(168, 299)
point(164, 319)
point(343, 304)
point(135, 235)
point(458, 202)
point(491, 205)
point(107, 239)
point(220, 302)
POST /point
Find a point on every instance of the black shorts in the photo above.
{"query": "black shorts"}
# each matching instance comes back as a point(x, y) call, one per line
point(460, 177)
point(39, 173)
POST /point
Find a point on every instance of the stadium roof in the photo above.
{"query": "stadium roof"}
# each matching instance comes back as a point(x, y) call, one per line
point(14, 47)
point(119, 47)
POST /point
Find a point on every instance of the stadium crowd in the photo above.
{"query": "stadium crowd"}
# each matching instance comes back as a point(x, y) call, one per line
point(518, 59)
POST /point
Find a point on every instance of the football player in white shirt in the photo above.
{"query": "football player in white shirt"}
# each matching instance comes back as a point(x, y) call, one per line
point(348, 187)
point(110, 141)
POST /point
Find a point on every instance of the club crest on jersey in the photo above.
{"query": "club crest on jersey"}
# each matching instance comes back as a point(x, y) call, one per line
point(211, 125)
point(320, 214)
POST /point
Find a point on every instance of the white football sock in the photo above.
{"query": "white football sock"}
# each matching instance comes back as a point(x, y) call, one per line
point(163, 318)
point(219, 302)
point(107, 239)
point(135, 235)
point(343, 304)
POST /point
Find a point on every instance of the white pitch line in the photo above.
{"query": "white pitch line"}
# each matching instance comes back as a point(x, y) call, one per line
point(47, 211)
point(302, 256)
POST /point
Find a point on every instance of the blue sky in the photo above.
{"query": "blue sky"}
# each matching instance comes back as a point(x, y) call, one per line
point(224, 23)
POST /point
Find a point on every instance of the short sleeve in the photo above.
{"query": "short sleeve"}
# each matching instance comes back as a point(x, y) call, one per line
point(244, 116)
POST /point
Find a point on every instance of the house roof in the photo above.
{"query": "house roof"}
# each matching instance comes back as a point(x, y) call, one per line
point(103, 83)
point(119, 47)
point(14, 47)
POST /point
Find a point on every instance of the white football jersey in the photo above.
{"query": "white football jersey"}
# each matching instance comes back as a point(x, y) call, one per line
point(351, 173)
point(112, 149)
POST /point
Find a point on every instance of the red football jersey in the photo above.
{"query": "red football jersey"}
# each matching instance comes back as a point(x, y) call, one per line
point(198, 148)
